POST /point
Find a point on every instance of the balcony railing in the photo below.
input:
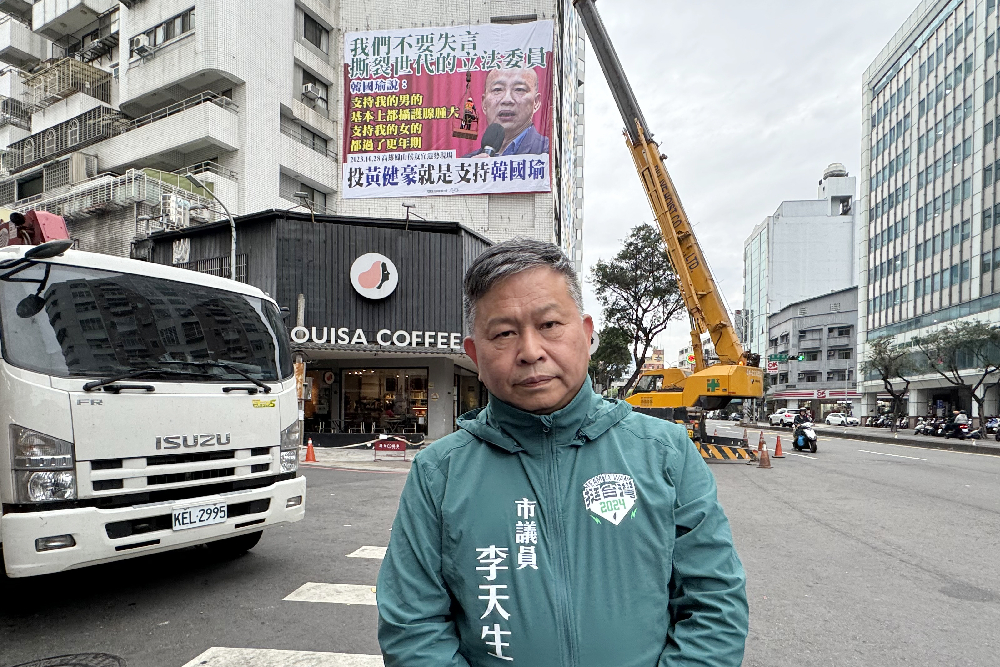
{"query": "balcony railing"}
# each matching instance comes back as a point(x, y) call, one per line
point(95, 125)
point(297, 136)
point(108, 192)
point(13, 112)
point(178, 107)
point(839, 341)
point(64, 78)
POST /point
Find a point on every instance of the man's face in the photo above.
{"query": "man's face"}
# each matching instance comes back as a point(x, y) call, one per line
point(511, 98)
point(530, 342)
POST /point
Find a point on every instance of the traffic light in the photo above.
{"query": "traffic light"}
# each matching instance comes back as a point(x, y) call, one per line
point(801, 357)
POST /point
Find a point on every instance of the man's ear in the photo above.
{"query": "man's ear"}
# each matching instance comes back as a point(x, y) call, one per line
point(470, 349)
point(588, 328)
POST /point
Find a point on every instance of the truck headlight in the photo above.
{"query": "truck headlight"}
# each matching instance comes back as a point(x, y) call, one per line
point(291, 439)
point(43, 466)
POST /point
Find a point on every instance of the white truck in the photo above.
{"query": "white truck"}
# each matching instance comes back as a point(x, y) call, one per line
point(143, 408)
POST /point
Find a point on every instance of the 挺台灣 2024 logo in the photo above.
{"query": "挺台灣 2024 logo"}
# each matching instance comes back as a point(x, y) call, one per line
point(610, 496)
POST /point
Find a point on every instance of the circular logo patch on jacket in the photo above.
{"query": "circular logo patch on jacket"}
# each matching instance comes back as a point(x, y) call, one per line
point(609, 496)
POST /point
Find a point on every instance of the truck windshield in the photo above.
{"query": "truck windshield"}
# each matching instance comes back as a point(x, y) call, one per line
point(77, 322)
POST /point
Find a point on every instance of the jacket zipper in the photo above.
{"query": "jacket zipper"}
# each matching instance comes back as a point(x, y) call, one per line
point(562, 561)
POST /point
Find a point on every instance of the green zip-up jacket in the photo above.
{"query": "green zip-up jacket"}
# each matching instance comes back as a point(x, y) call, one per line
point(590, 537)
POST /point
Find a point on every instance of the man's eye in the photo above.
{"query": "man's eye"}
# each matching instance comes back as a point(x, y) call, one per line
point(549, 325)
point(504, 334)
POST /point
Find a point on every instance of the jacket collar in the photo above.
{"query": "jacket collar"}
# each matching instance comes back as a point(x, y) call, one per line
point(586, 417)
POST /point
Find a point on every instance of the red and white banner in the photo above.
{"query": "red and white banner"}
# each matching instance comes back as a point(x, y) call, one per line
point(821, 394)
point(414, 124)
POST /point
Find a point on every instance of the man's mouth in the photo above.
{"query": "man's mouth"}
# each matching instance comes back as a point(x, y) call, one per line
point(535, 381)
point(506, 115)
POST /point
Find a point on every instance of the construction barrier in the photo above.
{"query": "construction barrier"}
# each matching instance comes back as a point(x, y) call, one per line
point(718, 449)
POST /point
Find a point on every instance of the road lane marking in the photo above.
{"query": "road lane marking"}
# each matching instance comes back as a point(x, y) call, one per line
point(333, 593)
point(898, 456)
point(805, 456)
point(368, 552)
point(218, 656)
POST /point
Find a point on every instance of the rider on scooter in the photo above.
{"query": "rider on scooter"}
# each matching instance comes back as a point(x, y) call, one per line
point(801, 418)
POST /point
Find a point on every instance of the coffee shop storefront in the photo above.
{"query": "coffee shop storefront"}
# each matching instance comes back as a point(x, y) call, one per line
point(374, 311)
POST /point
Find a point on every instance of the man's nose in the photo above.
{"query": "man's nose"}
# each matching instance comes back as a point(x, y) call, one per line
point(531, 350)
point(508, 97)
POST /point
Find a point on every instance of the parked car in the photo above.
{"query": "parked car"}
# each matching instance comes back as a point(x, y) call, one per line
point(782, 418)
point(735, 417)
point(840, 419)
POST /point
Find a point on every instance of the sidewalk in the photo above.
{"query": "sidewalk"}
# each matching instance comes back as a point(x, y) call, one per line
point(358, 459)
point(988, 445)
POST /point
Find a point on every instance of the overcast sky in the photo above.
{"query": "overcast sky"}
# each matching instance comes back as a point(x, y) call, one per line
point(749, 101)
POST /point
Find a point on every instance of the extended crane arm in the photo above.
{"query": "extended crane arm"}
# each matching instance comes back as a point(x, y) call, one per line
point(697, 285)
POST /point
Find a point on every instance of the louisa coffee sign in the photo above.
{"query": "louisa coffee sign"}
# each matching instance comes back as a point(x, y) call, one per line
point(440, 340)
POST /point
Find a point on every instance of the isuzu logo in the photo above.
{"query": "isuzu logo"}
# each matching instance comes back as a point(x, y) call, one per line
point(192, 441)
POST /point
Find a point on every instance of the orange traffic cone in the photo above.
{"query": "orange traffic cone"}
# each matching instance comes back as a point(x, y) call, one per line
point(765, 460)
point(760, 445)
point(745, 436)
point(777, 449)
point(310, 452)
point(715, 432)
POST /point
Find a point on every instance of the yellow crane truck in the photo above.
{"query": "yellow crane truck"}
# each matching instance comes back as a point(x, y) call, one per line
point(672, 393)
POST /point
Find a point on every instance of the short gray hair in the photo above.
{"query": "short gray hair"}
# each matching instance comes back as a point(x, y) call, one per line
point(509, 258)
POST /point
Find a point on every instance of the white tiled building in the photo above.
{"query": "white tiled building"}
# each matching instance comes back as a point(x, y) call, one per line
point(929, 204)
point(105, 105)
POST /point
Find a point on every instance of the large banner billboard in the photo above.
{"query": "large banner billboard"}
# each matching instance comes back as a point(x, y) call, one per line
point(448, 111)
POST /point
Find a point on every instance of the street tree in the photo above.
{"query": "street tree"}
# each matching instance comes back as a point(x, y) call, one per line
point(638, 291)
point(612, 359)
point(890, 362)
point(972, 348)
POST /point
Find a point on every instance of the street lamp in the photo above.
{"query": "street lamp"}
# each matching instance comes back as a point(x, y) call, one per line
point(232, 222)
point(304, 200)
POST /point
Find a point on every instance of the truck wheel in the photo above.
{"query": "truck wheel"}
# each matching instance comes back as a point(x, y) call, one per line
point(232, 547)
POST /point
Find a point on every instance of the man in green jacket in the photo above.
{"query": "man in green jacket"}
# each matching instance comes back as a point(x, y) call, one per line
point(556, 528)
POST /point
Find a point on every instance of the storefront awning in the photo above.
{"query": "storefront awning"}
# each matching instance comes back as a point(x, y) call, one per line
point(321, 351)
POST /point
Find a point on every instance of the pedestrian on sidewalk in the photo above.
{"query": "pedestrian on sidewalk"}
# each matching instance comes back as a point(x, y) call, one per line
point(555, 527)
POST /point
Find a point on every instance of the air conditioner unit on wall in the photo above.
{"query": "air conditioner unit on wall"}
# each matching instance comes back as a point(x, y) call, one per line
point(311, 91)
point(140, 45)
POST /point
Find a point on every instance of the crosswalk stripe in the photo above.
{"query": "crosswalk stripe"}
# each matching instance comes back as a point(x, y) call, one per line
point(218, 656)
point(333, 593)
point(368, 552)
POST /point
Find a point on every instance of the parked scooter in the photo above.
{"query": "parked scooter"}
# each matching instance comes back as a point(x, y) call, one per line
point(804, 437)
point(960, 431)
point(993, 425)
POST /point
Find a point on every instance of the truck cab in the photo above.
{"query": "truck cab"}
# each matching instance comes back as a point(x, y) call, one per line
point(143, 408)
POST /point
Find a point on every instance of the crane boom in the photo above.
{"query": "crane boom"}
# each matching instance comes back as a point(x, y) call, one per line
point(671, 393)
point(698, 289)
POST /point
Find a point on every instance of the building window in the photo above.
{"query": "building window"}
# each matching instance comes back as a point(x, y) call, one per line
point(812, 356)
point(782, 378)
point(164, 32)
point(315, 33)
point(29, 150)
point(50, 142)
point(320, 90)
point(73, 133)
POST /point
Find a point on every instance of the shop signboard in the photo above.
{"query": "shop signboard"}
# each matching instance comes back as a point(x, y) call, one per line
point(777, 357)
point(374, 276)
point(389, 447)
point(441, 340)
point(422, 104)
point(772, 367)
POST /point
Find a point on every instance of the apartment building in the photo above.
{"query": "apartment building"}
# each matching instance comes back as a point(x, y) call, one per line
point(106, 106)
point(811, 355)
point(805, 249)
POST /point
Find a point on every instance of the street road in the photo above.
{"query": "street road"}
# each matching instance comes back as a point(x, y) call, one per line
point(862, 554)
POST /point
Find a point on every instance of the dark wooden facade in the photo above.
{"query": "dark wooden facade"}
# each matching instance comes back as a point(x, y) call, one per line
point(288, 255)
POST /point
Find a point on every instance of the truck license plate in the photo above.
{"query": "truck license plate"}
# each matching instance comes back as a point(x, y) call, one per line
point(202, 515)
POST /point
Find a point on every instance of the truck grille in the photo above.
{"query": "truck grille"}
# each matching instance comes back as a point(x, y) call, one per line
point(174, 471)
